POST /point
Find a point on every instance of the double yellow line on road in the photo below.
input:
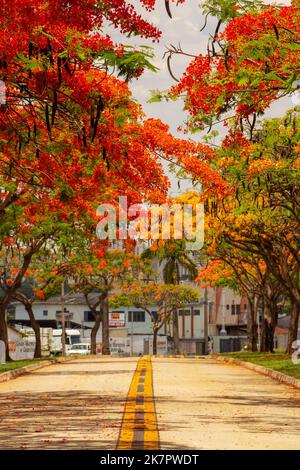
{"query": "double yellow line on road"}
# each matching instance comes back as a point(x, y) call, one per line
point(139, 426)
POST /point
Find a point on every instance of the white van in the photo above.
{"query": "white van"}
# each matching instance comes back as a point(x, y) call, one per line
point(80, 348)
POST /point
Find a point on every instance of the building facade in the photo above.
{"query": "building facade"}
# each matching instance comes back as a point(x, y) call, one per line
point(131, 329)
point(128, 325)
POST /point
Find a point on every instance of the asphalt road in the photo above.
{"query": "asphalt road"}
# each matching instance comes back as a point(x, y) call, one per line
point(76, 405)
point(200, 404)
point(210, 405)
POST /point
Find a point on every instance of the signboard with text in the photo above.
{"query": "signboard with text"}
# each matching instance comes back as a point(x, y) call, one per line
point(116, 319)
point(22, 349)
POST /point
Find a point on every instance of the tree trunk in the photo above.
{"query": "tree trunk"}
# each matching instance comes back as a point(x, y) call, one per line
point(271, 337)
point(253, 336)
point(37, 331)
point(155, 333)
point(272, 325)
point(3, 329)
point(263, 330)
point(94, 332)
point(268, 326)
point(263, 336)
point(252, 325)
point(293, 328)
point(4, 303)
point(105, 325)
point(176, 332)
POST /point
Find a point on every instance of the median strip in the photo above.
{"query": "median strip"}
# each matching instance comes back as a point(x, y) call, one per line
point(139, 426)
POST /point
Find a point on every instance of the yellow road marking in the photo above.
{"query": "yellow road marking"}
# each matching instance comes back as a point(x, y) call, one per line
point(139, 426)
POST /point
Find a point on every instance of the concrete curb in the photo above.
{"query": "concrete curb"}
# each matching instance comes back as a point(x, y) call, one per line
point(279, 376)
point(13, 374)
point(174, 356)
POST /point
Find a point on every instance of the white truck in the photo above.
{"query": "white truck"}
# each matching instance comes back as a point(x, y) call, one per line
point(72, 337)
point(47, 341)
point(50, 341)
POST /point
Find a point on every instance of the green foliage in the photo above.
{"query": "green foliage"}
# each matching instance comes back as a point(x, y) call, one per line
point(173, 255)
point(226, 10)
point(13, 365)
point(132, 62)
point(276, 361)
point(166, 297)
point(157, 96)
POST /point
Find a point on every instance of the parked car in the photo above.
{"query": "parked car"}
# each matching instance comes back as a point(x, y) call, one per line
point(80, 348)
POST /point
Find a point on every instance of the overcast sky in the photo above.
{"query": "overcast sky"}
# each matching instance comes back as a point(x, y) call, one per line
point(184, 28)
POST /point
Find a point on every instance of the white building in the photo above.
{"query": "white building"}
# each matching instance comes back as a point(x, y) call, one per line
point(131, 328)
point(128, 325)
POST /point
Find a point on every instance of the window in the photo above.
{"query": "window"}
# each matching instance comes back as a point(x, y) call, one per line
point(59, 311)
point(235, 309)
point(136, 317)
point(81, 347)
point(227, 307)
point(184, 277)
point(45, 313)
point(88, 316)
point(196, 312)
point(185, 312)
point(154, 316)
point(74, 339)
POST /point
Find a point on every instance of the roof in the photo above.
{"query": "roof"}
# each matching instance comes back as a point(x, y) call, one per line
point(279, 330)
point(284, 322)
point(72, 298)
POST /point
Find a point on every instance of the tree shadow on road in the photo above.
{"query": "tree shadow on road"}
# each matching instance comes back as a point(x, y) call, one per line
point(59, 420)
point(263, 418)
point(44, 373)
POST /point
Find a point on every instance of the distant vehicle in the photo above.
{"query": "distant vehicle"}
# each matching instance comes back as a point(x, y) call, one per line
point(47, 341)
point(51, 339)
point(72, 338)
point(80, 348)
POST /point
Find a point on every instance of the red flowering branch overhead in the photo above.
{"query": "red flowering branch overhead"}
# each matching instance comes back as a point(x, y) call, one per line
point(250, 63)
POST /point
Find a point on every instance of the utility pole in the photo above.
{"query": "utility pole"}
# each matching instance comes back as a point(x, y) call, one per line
point(63, 327)
point(205, 321)
point(131, 343)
